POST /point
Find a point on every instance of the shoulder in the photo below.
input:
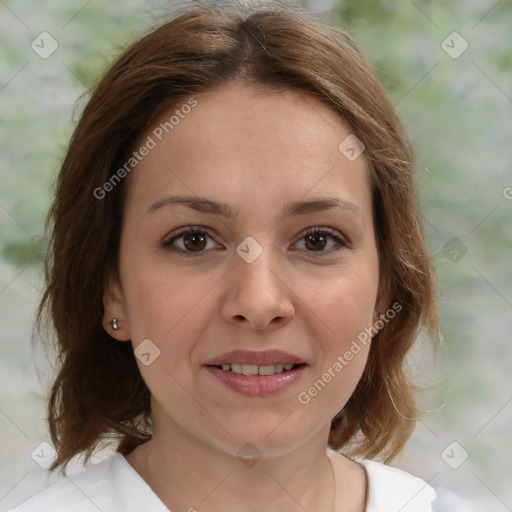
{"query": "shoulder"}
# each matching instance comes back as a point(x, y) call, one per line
point(109, 486)
point(396, 490)
point(391, 489)
point(89, 490)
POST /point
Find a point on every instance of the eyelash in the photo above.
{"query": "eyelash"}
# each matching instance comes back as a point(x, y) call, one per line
point(195, 231)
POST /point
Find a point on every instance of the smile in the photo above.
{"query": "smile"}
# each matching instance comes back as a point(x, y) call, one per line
point(256, 373)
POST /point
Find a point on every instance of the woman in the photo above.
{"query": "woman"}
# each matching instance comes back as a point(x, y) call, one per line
point(238, 268)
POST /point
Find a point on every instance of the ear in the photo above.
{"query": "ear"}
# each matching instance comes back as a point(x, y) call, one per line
point(114, 307)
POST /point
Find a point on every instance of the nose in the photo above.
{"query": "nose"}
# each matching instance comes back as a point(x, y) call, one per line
point(258, 294)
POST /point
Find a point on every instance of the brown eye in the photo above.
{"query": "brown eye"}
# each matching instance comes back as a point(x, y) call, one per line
point(316, 240)
point(191, 242)
point(194, 241)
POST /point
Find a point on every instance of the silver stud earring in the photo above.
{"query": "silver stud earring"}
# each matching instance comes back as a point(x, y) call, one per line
point(114, 324)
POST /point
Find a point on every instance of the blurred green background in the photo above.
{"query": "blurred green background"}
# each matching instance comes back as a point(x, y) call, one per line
point(456, 103)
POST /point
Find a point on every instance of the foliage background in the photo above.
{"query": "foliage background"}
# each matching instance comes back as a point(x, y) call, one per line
point(458, 113)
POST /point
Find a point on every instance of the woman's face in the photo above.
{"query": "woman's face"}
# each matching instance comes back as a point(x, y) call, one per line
point(253, 286)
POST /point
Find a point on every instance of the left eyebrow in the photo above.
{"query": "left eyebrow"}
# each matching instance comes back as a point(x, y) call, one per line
point(297, 208)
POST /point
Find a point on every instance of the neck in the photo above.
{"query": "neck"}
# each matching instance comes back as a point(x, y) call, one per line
point(188, 474)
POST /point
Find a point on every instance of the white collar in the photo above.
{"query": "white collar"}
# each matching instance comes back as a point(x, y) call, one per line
point(389, 489)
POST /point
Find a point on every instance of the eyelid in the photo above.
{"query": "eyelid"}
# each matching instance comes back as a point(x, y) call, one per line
point(325, 229)
point(185, 230)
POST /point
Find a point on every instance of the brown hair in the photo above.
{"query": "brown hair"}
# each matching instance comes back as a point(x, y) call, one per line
point(99, 392)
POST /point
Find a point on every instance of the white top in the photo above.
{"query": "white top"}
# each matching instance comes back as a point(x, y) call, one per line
point(114, 486)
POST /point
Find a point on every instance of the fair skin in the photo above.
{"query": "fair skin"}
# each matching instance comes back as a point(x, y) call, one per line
point(310, 297)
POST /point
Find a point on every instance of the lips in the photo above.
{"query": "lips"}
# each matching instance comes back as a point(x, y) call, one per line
point(247, 357)
point(257, 385)
point(257, 373)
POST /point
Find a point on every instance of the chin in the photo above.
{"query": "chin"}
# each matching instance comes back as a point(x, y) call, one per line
point(267, 441)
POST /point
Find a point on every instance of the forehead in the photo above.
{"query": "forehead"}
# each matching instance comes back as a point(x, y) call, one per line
point(251, 143)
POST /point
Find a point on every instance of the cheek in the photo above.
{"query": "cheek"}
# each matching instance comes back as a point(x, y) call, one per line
point(346, 305)
point(164, 304)
point(346, 310)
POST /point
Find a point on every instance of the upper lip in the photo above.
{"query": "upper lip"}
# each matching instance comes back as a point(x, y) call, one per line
point(266, 358)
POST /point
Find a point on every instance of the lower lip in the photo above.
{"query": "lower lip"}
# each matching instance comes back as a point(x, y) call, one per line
point(257, 385)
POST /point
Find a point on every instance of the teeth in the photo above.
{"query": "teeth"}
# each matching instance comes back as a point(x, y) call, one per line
point(252, 369)
point(266, 370)
point(236, 368)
